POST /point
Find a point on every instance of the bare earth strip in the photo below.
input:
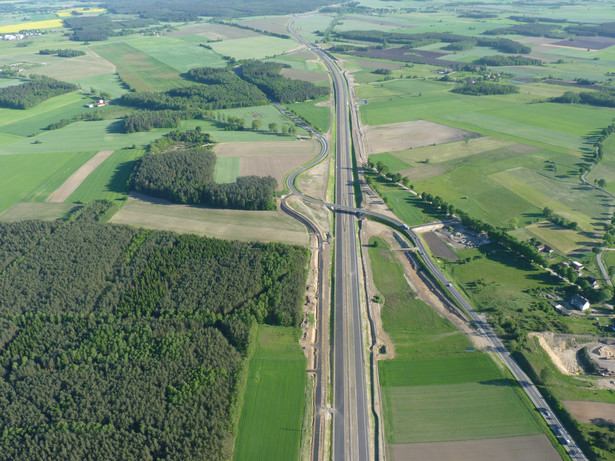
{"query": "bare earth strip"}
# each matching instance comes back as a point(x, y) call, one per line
point(398, 136)
point(592, 412)
point(72, 183)
point(528, 448)
point(263, 226)
point(438, 247)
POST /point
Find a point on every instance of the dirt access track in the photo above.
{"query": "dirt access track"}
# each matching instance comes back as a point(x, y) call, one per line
point(399, 136)
point(75, 180)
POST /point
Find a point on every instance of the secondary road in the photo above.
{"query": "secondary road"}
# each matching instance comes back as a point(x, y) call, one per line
point(350, 420)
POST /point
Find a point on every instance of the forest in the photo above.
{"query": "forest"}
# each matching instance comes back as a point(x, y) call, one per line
point(89, 28)
point(33, 92)
point(485, 88)
point(530, 30)
point(188, 10)
point(146, 120)
point(119, 343)
point(266, 76)
point(183, 173)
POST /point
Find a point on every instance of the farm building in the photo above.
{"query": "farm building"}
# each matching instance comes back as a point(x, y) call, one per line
point(579, 302)
point(577, 266)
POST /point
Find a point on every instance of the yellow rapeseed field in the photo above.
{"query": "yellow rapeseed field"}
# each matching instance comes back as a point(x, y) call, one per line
point(69, 11)
point(48, 24)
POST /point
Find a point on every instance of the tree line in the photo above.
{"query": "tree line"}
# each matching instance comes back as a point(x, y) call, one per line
point(530, 30)
point(503, 45)
point(602, 98)
point(33, 92)
point(147, 362)
point(63, 53)
point(481, 88)
point(502, 60)
point(185, 175)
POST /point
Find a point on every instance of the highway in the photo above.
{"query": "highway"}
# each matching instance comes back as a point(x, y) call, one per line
point(350, 417)
point(351, 429)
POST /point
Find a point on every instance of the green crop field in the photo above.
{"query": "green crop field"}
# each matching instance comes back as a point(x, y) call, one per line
point(110, 180)
point(34, 177)
point(177, 53)
point(33, 120)
point(140, 71)
point(274, 402)
point(253, 47)
point(227, 169)
point(220, 135)
point(109, 83)
point(266, 114)
point(99, 135)
point(393, 162)
point(433, 390)
point(318, 117)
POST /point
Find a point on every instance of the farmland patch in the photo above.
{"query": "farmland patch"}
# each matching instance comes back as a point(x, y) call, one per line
point(398, 136)
point(264, 226)
point(502, 449)
point(253, 47)
point(592, 412)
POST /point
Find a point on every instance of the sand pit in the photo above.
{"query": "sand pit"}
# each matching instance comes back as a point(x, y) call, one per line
point(592, 412)
point(75, 180)
point(528, 448)
point(399, 136)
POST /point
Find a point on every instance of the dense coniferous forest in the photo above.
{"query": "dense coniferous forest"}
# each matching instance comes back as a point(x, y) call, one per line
point(90, 28)
point(145, 120)
point(33, 92)
point(118, 343)
point(485, 88)
point(530, 30)
point(189, 10)
point(185, 175)
point(266, 76)
point(16, 239)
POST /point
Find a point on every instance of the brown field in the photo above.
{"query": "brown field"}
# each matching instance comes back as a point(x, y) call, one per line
point(275, 24)
point(35, 210)
point(367, 64)
point(584, 43)
point(529, 448)
point(399, 136)
point(438, 247)
point(313, 77)
point(75, 180)
point(269, 158)
point(406, 55)
point(592, 412)
point(263, 226)
point(213, 31)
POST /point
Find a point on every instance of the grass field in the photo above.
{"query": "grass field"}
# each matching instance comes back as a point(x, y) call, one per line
point(258, 47)
point(266, 114)
point(140, 71)
point(317, 116)
point(274, 403)
point(33, 177)
point(262, 226)
point(227, 169)
point(110, 180)
point(33, 120)
point(433, 390)
point(99, 135)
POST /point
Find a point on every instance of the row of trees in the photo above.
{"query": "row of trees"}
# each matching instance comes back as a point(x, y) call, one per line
point(502, 60)
point(64, 53)
point(149, 365)
point(504, 45)
point(548, 214)
point(530, 30)
point(603, 98)
point(33, 92)
point(185, 175)
point(481, 88)
point(267, 77)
